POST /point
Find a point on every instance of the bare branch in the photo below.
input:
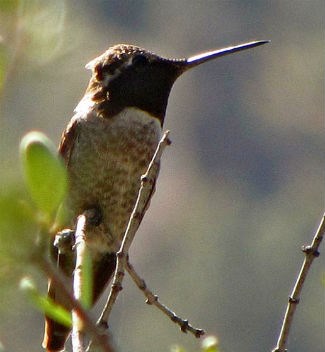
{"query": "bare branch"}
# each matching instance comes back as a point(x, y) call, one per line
point(51, 271)
point(145, 191)
point(80, 316)
point(311, 252)
point(184, 325)
point(81, 249)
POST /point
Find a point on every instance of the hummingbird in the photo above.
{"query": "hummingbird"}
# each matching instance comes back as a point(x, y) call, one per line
point(107, 146)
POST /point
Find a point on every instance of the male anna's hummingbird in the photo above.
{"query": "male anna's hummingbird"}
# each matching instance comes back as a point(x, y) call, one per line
point(108, 145)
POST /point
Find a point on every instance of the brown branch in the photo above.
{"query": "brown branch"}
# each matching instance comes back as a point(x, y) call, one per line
point(51, 271)
point(60, 282)
point(311, 252)
point(184, 325)
point(145, 191)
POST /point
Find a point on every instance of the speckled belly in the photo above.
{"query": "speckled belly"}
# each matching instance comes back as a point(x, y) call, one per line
point(105, 167)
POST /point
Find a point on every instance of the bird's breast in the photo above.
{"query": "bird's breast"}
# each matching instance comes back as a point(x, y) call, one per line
point(108, 158)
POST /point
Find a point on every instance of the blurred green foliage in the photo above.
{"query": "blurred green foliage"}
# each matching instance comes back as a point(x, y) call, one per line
point(41, 25)
point(23, 224)
point(3, 64)
point(8, 6)
point(45, 304)
point(31, 30)
point(18, 230)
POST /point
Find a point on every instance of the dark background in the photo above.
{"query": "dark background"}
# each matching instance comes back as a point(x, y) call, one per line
point(241, 187)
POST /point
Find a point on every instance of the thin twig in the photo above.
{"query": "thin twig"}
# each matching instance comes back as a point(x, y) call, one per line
point(311, 252)
point(145, 191)
point(81, 249)
point(184, 325)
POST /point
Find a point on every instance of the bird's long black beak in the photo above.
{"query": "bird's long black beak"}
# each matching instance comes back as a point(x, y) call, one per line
point(199, 59)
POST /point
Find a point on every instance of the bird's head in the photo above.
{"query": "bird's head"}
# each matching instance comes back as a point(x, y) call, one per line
point(130, 76)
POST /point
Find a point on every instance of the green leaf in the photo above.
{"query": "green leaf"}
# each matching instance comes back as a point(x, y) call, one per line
point(44, 172)
point(46, 304)
point(210, 344)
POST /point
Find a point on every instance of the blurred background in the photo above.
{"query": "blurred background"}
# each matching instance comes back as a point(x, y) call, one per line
point(241, 187)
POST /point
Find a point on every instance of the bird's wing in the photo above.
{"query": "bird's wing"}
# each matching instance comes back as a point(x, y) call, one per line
point(68, 139)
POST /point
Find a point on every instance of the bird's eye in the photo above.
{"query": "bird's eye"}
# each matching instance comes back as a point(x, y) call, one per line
point(139, 60)
point(112, 67)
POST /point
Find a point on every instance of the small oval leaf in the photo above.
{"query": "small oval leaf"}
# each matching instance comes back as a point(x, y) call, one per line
point(44, 172)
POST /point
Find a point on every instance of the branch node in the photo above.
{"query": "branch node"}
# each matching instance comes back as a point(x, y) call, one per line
point(293, 300)
point(117, 287)
point(103, 325)
point(174, 318)
point(184, 326)
point(152, 299)
point(199, 333)
point(120, 254)
point(137, 215)
point(309, 250)
point(144, 178)
point(142, 285)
